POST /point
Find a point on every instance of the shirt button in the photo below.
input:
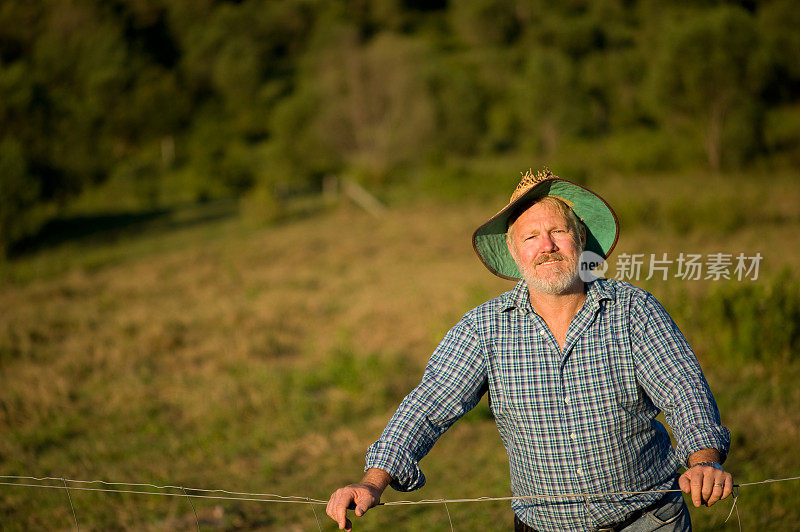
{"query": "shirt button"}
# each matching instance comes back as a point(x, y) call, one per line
point(566, 399)
point(573, 436)
point(579, 471)
point(542, 333)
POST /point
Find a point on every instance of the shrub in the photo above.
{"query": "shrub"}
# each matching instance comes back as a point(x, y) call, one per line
point(749, 321)
point(18, 192)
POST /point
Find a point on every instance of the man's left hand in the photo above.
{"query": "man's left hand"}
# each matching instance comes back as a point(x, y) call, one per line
point(706, 483)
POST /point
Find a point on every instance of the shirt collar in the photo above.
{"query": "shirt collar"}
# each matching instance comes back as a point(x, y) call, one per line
point(596, 291)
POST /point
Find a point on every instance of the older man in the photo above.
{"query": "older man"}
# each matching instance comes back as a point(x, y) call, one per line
point(576, 373)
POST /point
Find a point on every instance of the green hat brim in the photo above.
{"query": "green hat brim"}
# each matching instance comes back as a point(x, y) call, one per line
point(602, 228)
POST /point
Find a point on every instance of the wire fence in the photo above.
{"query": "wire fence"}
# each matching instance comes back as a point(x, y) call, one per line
point(69, 485)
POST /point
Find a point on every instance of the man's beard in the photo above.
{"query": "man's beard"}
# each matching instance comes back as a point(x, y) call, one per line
point(558, 282)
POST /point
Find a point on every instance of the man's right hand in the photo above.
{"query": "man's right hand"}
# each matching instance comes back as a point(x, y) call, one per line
point(361, 496)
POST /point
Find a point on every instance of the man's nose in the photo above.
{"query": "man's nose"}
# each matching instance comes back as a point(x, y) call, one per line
point(547, 243)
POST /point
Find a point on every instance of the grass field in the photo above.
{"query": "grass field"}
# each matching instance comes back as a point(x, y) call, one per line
point(198, 349)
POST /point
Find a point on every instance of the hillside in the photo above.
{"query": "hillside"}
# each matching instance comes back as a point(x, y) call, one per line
point(220, 354)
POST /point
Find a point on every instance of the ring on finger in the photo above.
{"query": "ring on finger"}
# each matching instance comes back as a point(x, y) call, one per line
point(717, 484)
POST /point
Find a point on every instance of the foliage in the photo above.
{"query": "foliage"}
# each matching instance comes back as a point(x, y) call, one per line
point(755, 321)
point(16, 195)
point(713, 68)
point(208, 99)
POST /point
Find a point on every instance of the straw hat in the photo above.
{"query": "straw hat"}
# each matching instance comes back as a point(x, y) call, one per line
point(602, 229)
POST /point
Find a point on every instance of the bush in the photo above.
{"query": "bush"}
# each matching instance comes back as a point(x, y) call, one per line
point(17, 194)
point(749, 321)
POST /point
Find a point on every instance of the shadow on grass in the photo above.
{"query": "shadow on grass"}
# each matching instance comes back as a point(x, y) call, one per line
point(109, 227)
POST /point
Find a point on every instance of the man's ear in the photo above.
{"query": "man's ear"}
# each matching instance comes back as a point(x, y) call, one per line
point(510, 245)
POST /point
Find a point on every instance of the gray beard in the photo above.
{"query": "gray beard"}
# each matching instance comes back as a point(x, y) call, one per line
point(554, 286)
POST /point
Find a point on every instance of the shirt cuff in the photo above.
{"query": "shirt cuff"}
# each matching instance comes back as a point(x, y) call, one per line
point(701, 437)
point(401, 466)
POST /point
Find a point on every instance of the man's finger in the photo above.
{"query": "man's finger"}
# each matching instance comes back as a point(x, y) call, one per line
point(728, 489)
point(361, 506)
point(684, 482)
point(717, 487)
point(363, 503)
point(697, 488)
point(708, 484)
point(340, 516)
point(337, 508)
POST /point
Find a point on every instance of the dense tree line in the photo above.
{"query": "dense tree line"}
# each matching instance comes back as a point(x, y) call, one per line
point(212, 97)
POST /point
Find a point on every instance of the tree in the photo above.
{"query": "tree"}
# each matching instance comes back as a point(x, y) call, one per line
point(371, 102)
point(550, 100)
point(711, 69)
point(18, 194)
point(484, 22)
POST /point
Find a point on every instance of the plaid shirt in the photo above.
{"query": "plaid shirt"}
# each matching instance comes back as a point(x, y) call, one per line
point(577, 420)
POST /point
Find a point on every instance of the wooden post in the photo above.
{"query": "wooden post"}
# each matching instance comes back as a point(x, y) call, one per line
point(363, 198)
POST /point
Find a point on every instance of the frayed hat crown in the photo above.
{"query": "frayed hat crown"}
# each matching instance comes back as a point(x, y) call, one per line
point(529, 179)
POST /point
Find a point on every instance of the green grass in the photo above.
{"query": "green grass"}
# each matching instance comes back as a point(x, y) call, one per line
point(220, 354)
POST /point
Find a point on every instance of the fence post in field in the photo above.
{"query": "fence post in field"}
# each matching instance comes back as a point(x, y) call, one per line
point(362, 198)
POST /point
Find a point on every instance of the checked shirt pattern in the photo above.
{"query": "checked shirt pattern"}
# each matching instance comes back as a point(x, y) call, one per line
point(577, 420)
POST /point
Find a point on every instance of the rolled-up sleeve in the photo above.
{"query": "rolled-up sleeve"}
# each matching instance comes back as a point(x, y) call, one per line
point(453, 383)
point(670, 374)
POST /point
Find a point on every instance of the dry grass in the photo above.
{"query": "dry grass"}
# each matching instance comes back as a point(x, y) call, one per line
point(269, 359)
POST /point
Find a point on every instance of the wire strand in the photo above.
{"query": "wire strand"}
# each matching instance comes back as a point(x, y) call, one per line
point(74, 515)
point(319, 526)
point(297, 499)
point(166, 494)
point(156, 486)
point(449, 518)
point(196, 520)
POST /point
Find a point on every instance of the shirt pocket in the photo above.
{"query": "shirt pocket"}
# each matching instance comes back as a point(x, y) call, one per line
point(604, 363)
point(524, 383)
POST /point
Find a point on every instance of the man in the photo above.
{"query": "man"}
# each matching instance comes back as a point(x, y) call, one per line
point(576, 373)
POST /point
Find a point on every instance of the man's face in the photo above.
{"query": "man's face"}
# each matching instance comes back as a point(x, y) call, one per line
point(546, 249)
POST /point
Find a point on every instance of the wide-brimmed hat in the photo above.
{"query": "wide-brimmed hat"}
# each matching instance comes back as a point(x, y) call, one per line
point(602, 229)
